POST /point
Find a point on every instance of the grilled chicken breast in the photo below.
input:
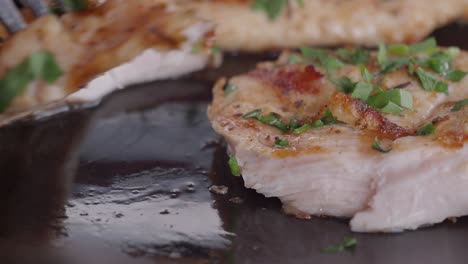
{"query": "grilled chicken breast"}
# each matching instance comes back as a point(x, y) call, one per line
point(309, 130)
point(260, 25)
point(121, 42)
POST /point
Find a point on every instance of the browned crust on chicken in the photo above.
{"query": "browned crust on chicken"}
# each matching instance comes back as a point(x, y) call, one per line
point(360, 115)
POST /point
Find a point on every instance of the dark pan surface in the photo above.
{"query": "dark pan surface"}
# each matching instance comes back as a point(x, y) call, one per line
point(146, 158)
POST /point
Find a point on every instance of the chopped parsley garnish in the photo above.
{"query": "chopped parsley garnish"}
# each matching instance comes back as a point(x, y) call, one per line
point(253, 114)
point(271, 119)
point(426, 46)
point(441, 63)
point(393, 64)
point(75, 5)
point(314, 53)
point(331, 64)
point(281, 143)
point(323, 59)
point(362, 91)
point(40, 65)
point(459, 105)
point(427, 129)
point(230, 87)
point(455, 75)
point(348, 243)
point(293, 124)
point(391, 101)
point(430, 83)
point(356, 57)
point(399, 49)
point(382, 55)
point(272, 8)
point(420, 59)
point(345, 85)
point(328, 118)
point(304, 128)
point(366, 75)
point(274, 120)
point(234, 166)
point(377, 146)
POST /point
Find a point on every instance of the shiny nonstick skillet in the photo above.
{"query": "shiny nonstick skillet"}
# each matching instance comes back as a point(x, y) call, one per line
point(138, 168)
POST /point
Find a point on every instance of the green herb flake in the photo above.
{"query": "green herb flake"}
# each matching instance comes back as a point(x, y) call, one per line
point(366, 75)
point(455, 75)
point(427, 129)
point(452, 52)
point(75, 5)
point(430, 83)
point(377, 146)
point(271, 119)
point(345, 85)
point(391, 108)
point(399, 49)
point(314, 53)
point(411, 69)
point(331, 64)
point(348, 243)
point(393, 64)
point(252, 114)
point(382, 55)
point(321, 56)
point(293, 123)
point(272, 8)
point(274, 120)
point(362, 91)
point(356, 57)
point(39, 65)
point(328, 118)
point(304, 128)
point(234, 166)
point(281, 143)
point(391, 101)
point(459, 105)
point(401, 97)
point(426, 46)
point(230, 87)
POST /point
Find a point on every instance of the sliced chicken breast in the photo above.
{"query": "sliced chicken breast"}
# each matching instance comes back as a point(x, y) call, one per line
point(300, 129)
point(114, 45)
point(261, 25)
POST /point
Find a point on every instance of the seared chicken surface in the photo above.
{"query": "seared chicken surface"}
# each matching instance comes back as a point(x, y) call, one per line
point(87, 44)
point(375, 136)
point(255, 25)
